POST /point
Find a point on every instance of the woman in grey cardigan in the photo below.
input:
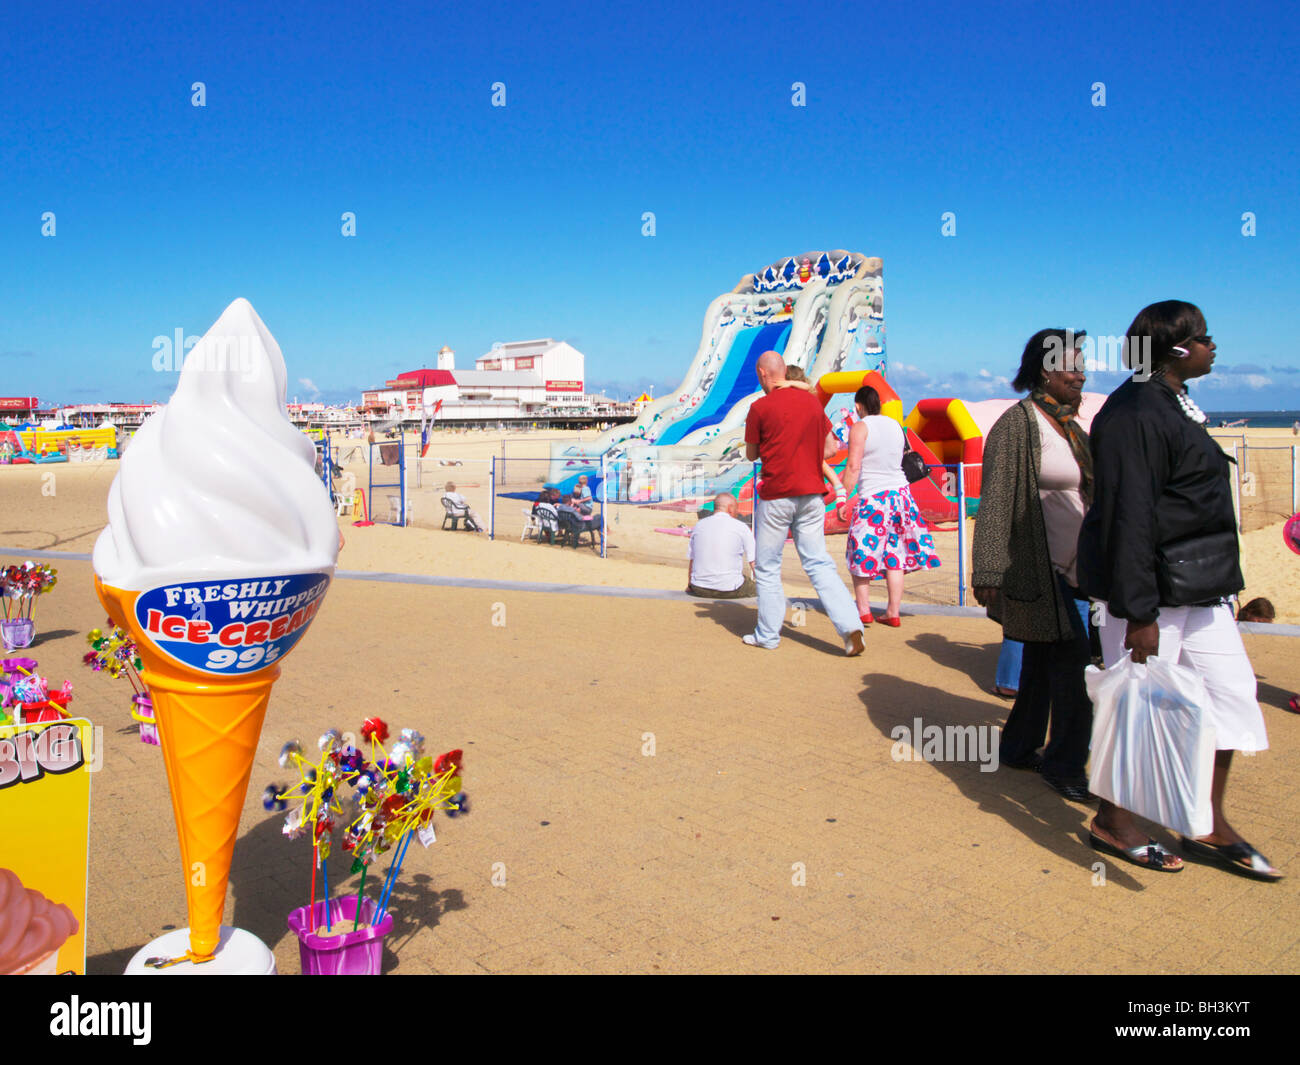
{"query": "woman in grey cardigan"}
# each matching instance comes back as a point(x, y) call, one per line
point(1036, 485)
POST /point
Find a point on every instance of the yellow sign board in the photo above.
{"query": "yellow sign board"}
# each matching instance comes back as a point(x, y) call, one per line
point(45, 812)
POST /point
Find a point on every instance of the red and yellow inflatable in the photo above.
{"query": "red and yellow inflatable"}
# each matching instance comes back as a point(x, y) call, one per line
point(941, 430)
point(947, 428)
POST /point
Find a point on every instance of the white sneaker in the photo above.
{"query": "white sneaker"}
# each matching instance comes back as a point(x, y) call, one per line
point(752, 640)
point(854, 644)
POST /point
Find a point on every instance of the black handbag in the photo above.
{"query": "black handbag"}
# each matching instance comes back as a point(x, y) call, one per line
point(914, 467)
point(1199, 570)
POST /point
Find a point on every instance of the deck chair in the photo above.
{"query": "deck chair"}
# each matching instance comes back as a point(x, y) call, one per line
point(345, 495)
point(395, 508)
point(549, 521)
point(532, 527)
point(591, 528)
point(453, 513)
point(570, 528)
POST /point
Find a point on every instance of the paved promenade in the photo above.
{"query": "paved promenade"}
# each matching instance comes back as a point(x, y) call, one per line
point(649, 795)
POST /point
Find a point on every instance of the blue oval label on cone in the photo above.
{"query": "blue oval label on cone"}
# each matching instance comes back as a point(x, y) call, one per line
point(230, 627)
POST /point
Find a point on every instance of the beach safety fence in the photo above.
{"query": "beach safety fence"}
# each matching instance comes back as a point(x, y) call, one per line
point(1266, 481)
point(425, 481)
point(648, 507)
point(519, 480)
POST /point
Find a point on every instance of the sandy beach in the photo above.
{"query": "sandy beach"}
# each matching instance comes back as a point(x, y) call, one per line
point(62, 508)
point(648, 795)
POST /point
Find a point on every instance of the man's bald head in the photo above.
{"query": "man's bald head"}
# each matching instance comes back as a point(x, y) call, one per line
point(771, 370)
point(724, 503)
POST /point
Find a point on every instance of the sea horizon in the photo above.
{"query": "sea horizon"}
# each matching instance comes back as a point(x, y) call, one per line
point(1256, 419)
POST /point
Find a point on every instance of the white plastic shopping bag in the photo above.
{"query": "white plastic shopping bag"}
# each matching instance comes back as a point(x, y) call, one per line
point(1153, 742)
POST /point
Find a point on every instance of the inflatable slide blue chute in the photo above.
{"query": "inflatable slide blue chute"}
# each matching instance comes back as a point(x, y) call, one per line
point(736, 379)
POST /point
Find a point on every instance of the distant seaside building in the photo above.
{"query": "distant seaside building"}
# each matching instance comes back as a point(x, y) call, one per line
point(512, 381)
point(18, 406)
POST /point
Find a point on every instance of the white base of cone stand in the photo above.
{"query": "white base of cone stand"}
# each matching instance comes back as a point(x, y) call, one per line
point(238, 953)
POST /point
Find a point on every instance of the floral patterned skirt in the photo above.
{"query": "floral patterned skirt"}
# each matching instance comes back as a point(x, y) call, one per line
point(887, 533)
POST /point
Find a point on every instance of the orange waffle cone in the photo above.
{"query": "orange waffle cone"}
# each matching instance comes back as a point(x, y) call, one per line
point(208, 728)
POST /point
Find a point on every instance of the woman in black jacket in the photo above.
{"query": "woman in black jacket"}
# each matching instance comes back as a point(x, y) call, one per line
point(1159, 548)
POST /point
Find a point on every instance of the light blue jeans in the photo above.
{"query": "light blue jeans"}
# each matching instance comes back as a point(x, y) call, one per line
point(804, 517)
point(1011, 656)
point(1009, 660)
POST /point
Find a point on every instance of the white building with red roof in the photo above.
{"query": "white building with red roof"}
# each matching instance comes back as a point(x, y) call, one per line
point(511, 381)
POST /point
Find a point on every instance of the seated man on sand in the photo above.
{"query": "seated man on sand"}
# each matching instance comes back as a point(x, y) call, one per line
point(720, 548)
point(457, 500)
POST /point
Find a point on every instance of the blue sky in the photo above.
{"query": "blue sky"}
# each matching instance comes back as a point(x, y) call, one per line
point(478, 224)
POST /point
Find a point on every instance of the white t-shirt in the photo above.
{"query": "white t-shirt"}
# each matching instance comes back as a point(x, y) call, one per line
point(882, 457)
point(718, 548)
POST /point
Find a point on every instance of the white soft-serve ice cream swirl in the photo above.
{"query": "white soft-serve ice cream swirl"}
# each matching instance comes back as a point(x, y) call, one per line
point(219, 484)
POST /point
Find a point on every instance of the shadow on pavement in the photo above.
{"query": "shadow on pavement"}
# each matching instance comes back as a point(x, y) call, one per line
point(739, 618)
point(1015, 796)
point(979, 661)
point(1272, 695)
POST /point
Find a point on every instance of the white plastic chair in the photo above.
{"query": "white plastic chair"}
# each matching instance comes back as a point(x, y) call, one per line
point(395, 507)
point(346, 494)
point(532, 527)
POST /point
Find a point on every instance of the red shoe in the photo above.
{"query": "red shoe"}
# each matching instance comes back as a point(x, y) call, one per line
point(867, 618)
point(1294, 704)
point(893, 623)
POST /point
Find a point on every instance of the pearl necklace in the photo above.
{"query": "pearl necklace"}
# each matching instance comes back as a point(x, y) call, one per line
point(1185, 402)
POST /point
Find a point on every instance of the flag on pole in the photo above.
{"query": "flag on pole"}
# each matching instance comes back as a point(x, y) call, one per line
point(427, 416)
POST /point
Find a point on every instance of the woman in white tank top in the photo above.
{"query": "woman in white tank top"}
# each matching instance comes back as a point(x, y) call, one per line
point(887, 536)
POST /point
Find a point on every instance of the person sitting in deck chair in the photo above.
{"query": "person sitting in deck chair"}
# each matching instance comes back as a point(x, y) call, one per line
point(547, 517)
point(570, 520)
point(457, 507)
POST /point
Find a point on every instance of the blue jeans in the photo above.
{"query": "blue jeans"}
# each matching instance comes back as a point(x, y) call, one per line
point(1009, 659)
point(1012, 654)
point(805, 517)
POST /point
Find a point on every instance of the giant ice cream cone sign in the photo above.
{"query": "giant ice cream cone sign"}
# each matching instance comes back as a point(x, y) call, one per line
point(220, 547)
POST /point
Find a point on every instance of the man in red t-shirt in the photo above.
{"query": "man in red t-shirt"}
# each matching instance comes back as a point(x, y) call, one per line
point(788, 430)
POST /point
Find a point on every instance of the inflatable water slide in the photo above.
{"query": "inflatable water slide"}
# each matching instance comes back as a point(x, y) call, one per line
point(823, 311)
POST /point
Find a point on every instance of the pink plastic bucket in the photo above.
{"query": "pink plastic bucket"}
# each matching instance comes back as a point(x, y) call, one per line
point(17, 632)
point(142, 711)
point(347, 953)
